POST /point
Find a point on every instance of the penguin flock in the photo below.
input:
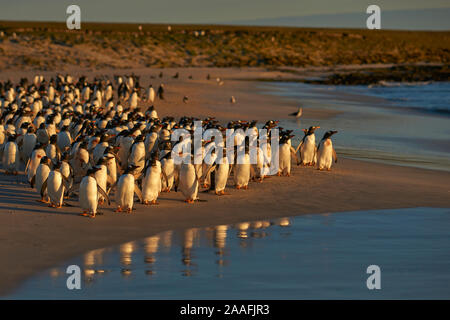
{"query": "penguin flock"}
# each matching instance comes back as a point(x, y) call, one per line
point(75, 139)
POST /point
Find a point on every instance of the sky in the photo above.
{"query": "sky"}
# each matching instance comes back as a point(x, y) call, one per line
point(206, 11)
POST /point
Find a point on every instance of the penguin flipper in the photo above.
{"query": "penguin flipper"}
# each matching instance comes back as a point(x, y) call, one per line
point(294, 154)
point(28, 163)
point(110, 188)
point(299, 145)
point(138, 192)
point(44, 186)
point(335, 156)
point(210, 169)
point(103, 193)
point(32, 181)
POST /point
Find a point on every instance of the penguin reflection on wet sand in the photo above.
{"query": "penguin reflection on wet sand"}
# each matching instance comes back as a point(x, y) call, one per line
point(327, 152)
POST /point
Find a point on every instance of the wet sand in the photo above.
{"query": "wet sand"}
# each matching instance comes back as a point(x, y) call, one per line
point(34, 236)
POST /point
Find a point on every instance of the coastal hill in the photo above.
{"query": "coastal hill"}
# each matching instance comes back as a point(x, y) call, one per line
point(51, 46)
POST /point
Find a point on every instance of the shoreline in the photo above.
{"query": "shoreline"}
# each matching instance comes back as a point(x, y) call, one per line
point(35, 237)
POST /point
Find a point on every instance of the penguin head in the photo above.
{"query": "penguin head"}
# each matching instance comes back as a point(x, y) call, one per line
point(131, 168)
point(53, 139)
point(328, 134)
point(92, 171)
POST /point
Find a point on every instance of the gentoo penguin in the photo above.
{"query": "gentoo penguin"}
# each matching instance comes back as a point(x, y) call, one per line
point(55, 184)
point(42, 173)
point(89, 193)
point(64, 138)
point(137, 154)
point(126, 188)
point(168, 167)
point(28, 144)
point(52, 150)
point(42, 134)
point(101, 175)
point(11, 156)
point(66, 169)
point(326, 154)
point(151, 185)
point(151, 94)
point(33, 163)
point(112, 165)
point(243, 170)
point(285, 152)
point(308, 147)
point(188, 181)
point(151, 140)
point(221, 172)
point(160, 93)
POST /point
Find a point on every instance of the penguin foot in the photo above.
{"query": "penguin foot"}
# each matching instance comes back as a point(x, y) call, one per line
point(189, 200)
point(154, 202)
point(245, 187)
point(92, 215)
point(101, 202)
point(129, 210)
point(279, 174)
point(238, 187)
point(223, 193)
point(329, 169)
point(119, 209)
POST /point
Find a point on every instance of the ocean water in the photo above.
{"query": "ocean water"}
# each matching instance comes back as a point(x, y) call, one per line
point(321, 256)
point(405, 124)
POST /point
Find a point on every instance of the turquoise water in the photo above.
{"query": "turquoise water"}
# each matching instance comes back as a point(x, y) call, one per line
point(402, 124)
point(322, 256)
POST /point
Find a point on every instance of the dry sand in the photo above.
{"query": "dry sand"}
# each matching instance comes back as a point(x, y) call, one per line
point(34, 237)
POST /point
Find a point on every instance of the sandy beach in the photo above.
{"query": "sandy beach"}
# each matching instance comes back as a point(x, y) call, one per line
point(35, 237)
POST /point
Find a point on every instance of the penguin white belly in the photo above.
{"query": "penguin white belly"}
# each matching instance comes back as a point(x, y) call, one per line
point(42, 173)
point(64, 140)
point(137, 156)
point(111, 169)
point(101, 176)
point(51, 152)
point(188, 181)
point(151, 186)
point(242, 172)
point(325, 158)
point(221, 176)
point(168, 167)
point(308, 149)
point(29, 142)
point(55, 188)
point(285, 159)
point(88, 194)
point(98, 151)
point(34, 163)
point(125, 191)
point(11, 157)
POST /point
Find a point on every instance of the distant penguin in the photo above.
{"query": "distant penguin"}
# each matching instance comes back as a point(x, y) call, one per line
point(11, 156)
point(326, 154)
point(160, 92)
point(126, 188)
point(89, 193)
point(151, 94)
point(307, 147)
